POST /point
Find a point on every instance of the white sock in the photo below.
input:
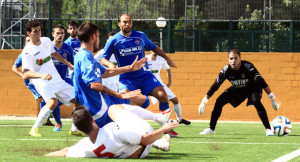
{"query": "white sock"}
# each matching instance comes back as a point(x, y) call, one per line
point(177, 108)
point(42, 117)
point(142, 113)
point(73, 127)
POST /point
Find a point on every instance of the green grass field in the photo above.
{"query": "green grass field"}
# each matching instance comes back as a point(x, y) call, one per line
point(232, 142)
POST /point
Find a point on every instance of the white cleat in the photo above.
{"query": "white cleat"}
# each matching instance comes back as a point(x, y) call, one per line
point(163, 143)
point(207, 131)
point(269, 132)
point(165, 116)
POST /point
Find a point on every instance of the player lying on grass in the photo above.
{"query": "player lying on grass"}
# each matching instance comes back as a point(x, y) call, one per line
point(246, 83)
point(129, 136)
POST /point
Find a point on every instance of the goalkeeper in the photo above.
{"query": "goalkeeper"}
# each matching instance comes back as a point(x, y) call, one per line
point(246, 83)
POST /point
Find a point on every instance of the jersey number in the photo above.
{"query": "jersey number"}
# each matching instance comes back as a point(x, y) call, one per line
point(98, 151)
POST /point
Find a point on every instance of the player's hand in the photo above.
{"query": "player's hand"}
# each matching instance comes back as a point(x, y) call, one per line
point(201, 107)
point(275, 105)
point(130, 94)
point(171, 63)
point(168, 126)
point(168, 84)
point(46, 77)
point(24, 77)
point(138, 64)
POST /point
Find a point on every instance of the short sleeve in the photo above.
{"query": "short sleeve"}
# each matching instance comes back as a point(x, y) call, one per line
point(18, 61)
point(165, 64)
point(26, 60)
point(108, 49)
point(148, 43)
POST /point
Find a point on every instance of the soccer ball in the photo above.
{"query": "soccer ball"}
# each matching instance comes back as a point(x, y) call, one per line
point(281, 126)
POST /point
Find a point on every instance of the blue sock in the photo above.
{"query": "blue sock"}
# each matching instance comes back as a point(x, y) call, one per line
point(163, 106)
point(146, 103)
point(56, 113)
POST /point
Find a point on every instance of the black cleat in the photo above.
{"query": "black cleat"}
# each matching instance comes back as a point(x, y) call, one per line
point(186, 122)
point(48, 123)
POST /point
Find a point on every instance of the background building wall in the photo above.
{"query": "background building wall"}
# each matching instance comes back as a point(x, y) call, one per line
point(195, 73)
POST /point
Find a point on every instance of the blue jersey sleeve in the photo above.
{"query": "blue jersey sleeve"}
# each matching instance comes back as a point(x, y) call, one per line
point(108, 49)
point(91, 71)
point(18, 62)
point(148, 43)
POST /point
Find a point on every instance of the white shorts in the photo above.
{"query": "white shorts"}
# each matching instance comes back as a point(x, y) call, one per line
point(170, 94)
point(61, 90)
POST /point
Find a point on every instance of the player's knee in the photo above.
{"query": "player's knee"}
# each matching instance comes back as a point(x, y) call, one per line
point(146, 103)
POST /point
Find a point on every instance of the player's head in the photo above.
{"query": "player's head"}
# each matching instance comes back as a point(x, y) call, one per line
point(234, 59)
point(72, 28)
point(125, 22)
point(89, 33)
point(58, 33)
point(33, 29)
point(82, 119)
point(157, 44)
point(110, 34)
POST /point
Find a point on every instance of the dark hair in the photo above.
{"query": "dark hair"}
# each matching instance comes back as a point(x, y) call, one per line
point(59, 26)
point(86, 30)
point(119, 18)
point(156, 43)
point(73, 23)
point(112, 33)
point(236, 51)
point(31, 24)
point(82, 119)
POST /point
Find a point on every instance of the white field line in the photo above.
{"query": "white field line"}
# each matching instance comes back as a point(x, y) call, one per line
point(239, 143)
point(288, 157)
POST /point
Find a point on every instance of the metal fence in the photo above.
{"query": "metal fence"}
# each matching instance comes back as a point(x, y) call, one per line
point(192, 25)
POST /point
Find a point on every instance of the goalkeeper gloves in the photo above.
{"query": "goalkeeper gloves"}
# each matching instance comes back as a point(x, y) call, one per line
point(202, 105)
point(276, 105)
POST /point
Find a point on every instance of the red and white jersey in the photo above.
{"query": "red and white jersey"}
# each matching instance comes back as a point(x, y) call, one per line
point(38, 59)
point(110, 143)
point(156, 65)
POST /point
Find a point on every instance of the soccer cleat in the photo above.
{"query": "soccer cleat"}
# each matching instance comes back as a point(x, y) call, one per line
point(163, 143)
point(77, 133)
point(269, 132)
point(183, 121)
point(48, 123)
point(172, 133)
point(207, 131)
point(57, 127)
point(35, 132)
point(165, 116)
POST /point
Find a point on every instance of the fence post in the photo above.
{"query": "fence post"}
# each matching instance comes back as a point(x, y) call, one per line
point(109, 26)
point(50, 20)
point(292, 36)
point(170, 45)
point(230, 35)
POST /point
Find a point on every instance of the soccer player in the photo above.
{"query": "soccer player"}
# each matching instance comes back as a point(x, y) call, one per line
point(156, 63)
point(38, 66)
point(126, 46)
point(87, 78)
point(66, 51)
point(73, 40)
point(247, 83)
point(30, 86)
point(111, 82)
point(129, 136)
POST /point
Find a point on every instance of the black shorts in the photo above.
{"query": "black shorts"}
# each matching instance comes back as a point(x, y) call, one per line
point(235, 96)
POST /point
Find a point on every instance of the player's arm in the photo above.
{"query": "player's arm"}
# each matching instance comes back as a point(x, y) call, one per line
point(161, 53)
point(58, 57)
point(215, 86)
point(17, 71)
point(97, 86)
point(169, 78)
point(59, 153)
point(107, 63)
point(136, 65)
point(149, 138)
point(32, 75)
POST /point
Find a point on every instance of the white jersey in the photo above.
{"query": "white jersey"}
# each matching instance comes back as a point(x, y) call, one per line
point(110, 143)
point(111, 82)
point(38, 59)
point(156, 65)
